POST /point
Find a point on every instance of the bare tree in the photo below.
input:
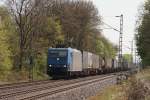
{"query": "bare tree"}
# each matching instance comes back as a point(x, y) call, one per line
point(26, 16)
point(79, 20)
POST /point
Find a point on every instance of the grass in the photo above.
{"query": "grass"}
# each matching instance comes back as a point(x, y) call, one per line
point(144, 74)
point(131, 89)
point(116, 92)
point(21, 76)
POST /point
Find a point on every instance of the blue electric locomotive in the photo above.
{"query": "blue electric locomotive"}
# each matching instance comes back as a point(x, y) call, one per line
point(64, 62)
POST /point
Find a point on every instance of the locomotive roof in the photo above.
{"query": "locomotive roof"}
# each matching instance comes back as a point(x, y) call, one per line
point(70, 49)
point(59, 48)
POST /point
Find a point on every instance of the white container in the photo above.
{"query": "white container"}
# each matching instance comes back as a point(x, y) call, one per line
point(76, 61)
point(95, 61)
point(108, 63)
point(87, 60)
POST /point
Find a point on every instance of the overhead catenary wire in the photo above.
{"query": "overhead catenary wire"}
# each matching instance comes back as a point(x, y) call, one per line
point(120, 37)
point(110, 27)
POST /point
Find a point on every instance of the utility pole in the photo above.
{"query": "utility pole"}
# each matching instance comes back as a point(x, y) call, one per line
point(120, 58)
point(135, 57)
point(132, 51)
point(120, 41)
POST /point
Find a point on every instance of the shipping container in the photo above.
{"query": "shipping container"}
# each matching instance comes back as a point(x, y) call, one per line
point(95, 61)
point(87, 60)
point(108, 63)
point(76, 64)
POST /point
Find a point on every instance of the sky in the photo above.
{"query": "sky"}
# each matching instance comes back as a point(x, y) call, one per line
point(108, 9)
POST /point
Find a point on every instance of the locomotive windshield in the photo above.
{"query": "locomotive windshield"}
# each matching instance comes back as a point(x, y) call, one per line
point(57, 53)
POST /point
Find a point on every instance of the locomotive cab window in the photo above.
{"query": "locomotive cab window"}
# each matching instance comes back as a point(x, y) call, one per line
point(57, 53)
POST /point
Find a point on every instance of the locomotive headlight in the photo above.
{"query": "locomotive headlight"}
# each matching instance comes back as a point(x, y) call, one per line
point(65, 66)
point(50, 65)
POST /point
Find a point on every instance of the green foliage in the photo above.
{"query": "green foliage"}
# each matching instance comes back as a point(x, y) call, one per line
point(105, 48)
point(53, 31)
point(100, 47)
point(128, 57)
point(39, 69)
point(5, 51)
point(49, 34)
point(143, 36)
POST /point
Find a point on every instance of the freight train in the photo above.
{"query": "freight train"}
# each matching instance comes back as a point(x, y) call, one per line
point(69, 62)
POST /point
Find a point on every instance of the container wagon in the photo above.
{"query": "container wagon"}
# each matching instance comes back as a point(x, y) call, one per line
point(87, 62)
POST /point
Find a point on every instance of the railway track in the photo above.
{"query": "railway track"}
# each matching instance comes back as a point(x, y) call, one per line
point(39, 89)
point(66, 88)
point(25, 88)
point(36, 90)
point(18, 86)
